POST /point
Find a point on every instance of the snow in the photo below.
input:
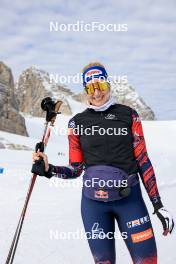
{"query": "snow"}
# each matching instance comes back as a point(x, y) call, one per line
point(56, 208)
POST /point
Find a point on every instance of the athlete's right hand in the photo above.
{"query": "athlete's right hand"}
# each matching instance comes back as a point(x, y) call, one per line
point(166, 220)
point(40, 165)
point(40, 156)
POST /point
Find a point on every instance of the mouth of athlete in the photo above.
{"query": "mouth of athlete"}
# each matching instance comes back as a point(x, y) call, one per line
point(99, 98)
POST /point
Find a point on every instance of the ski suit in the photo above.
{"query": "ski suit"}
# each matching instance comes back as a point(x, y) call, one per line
point(126, 151)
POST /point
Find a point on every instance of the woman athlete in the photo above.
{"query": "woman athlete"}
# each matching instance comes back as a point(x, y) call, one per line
point(106, 141)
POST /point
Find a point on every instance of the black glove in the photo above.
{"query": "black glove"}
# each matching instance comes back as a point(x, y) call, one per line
point(166, 220)
point(38, 168)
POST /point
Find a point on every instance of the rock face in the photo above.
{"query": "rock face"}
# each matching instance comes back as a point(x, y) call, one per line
point(80, 97)
point(123, 93)
point(10, 118)
point(34, 85)
point(6, 144)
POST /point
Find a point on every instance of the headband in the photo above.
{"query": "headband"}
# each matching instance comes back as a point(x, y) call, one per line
point(94, 72)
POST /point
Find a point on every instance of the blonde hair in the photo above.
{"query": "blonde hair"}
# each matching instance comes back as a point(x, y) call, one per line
point(92, 64)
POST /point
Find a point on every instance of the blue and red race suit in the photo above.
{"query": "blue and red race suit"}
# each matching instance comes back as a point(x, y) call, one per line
point(129, 154)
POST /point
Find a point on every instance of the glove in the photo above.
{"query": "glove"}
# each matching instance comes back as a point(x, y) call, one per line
point(38, 168)
point(166, 220)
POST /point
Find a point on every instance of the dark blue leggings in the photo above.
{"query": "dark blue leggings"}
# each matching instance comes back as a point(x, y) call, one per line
point(134, 224)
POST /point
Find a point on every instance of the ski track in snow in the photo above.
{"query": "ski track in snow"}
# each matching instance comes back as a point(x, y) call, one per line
point(55, 208)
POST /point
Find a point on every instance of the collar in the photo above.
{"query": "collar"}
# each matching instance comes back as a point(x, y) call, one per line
point(103, 107)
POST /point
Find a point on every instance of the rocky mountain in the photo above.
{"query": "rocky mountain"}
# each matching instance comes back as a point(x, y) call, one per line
point(10, 118)
point(33, 85)
point(6, 144)
point(123, 93)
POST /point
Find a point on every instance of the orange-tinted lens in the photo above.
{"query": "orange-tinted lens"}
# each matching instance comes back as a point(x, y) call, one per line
point(90, 88)
point(103, 85)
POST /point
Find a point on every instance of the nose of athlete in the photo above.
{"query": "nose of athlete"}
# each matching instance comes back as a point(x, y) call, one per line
point(97, 93)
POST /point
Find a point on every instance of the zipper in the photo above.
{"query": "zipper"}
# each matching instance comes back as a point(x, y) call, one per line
point(106, 150)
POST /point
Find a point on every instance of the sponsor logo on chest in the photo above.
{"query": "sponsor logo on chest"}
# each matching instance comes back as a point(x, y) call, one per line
point(110, 116)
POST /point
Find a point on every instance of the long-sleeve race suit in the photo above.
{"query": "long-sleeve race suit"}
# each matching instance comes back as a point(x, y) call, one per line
point(131, 213)
point(146, 171)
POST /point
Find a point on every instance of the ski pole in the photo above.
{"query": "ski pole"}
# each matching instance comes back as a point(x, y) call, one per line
point(14, 244)
point(52, 109)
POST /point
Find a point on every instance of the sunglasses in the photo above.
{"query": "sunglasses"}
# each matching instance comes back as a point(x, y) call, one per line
point(102, 86)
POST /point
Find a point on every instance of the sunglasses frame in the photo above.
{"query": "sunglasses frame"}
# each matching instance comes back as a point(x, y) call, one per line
point(96, 85)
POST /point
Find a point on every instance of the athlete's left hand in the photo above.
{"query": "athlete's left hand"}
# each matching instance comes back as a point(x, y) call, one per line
point(166, 220)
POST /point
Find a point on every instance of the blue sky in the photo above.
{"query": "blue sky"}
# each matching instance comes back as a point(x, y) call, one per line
point(145, 53)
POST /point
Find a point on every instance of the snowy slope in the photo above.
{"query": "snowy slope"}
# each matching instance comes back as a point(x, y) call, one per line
point(55, 205)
